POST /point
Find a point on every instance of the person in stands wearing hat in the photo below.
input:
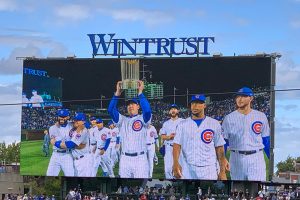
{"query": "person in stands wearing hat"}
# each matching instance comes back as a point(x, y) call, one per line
point(247, 134)
point(199, 139)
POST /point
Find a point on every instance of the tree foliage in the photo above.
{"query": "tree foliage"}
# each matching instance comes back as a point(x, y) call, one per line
point(287, 165)
point(10, 153)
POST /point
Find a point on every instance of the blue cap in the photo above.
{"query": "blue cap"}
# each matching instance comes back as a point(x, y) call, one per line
point(173, 106)
point(79, 117)
point(63, 113)
point(219, 118)
point(245, 91)
point(110, 123)
point(34, 90)
point(198, 97)
point(92, 118)
point(134, 100)
point(23, 93)
point(99, 120)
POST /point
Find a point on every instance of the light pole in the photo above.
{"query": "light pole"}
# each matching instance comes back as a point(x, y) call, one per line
point(174, 94)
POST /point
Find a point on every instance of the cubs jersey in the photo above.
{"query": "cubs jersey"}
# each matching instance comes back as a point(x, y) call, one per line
point(114, 133)
point(60, 133)
point(92, 135)
point(245, 132)
point(80, 138)
point(133, 131)
point(198, 143)
point(168, 128)
point(101, 136)
point(151, 135)
point(36, 101)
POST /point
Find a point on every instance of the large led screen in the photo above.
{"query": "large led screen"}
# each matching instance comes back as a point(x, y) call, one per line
point(167, 118)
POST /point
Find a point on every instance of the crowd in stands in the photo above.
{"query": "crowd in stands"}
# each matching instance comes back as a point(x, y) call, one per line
point(39, 118)
point(29, 197)
point(165, 193)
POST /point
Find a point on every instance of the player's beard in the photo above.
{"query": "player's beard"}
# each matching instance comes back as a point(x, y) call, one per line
point(174, 115)
point(63, 122)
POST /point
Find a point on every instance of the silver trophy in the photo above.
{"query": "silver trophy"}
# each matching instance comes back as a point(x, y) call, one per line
point(130, 71)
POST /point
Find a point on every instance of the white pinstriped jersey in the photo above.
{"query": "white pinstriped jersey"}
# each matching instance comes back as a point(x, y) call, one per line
point(92, 135)
point(80, 138)
point(60, 133)
point(168, 128)
point(101, 136)
point(151, 135)
point(245, 132)
point(133, 133)
point(114, 133)
point(198, 143)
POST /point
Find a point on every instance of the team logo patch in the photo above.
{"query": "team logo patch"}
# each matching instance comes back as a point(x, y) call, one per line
point(103, 137)
point(207, 136)
point(71, 132)
point(256, 127)
point(151, 133)
point(137, 125)
point(78, 136)
point(113, 134)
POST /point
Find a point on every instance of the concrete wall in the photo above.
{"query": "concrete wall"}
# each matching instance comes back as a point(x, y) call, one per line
point(11, 183)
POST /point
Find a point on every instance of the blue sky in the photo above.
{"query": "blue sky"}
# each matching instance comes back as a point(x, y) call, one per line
point(59, 28)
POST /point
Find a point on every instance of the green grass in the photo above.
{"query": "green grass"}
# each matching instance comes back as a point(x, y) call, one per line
point(33, 161)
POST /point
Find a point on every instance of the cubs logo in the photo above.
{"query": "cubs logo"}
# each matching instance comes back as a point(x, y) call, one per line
point(103, 137)
point(78, 136)
point(256, 127)
point(137, 125)
point(207, 136)
point(151, 133)
point(113, 134)
point(197, 96)
point(72, 132)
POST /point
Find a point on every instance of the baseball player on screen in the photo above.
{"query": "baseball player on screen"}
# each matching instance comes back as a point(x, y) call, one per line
point(93, 142)
point(114, 146)
point(152, 140)
point(247, 134)
point(61, 159)
point(167, 133)
point(103, 137)
point(199, 138)
point(133, 133)
point(36, 100)
point(79, 136)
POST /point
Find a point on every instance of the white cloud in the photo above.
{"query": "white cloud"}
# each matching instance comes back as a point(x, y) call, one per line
point(287, 77)
point(10, 115)
point(295, 23)
point(13, 66)
point(28, 46)
point(149, 17)
point(8, 5)
point(287, 139)
point(72, 12)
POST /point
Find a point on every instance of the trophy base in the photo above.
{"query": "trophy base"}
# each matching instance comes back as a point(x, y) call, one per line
point(129, 84)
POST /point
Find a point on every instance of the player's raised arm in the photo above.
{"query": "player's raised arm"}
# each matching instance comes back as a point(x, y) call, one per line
point(145, 105)
point(112, 108)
